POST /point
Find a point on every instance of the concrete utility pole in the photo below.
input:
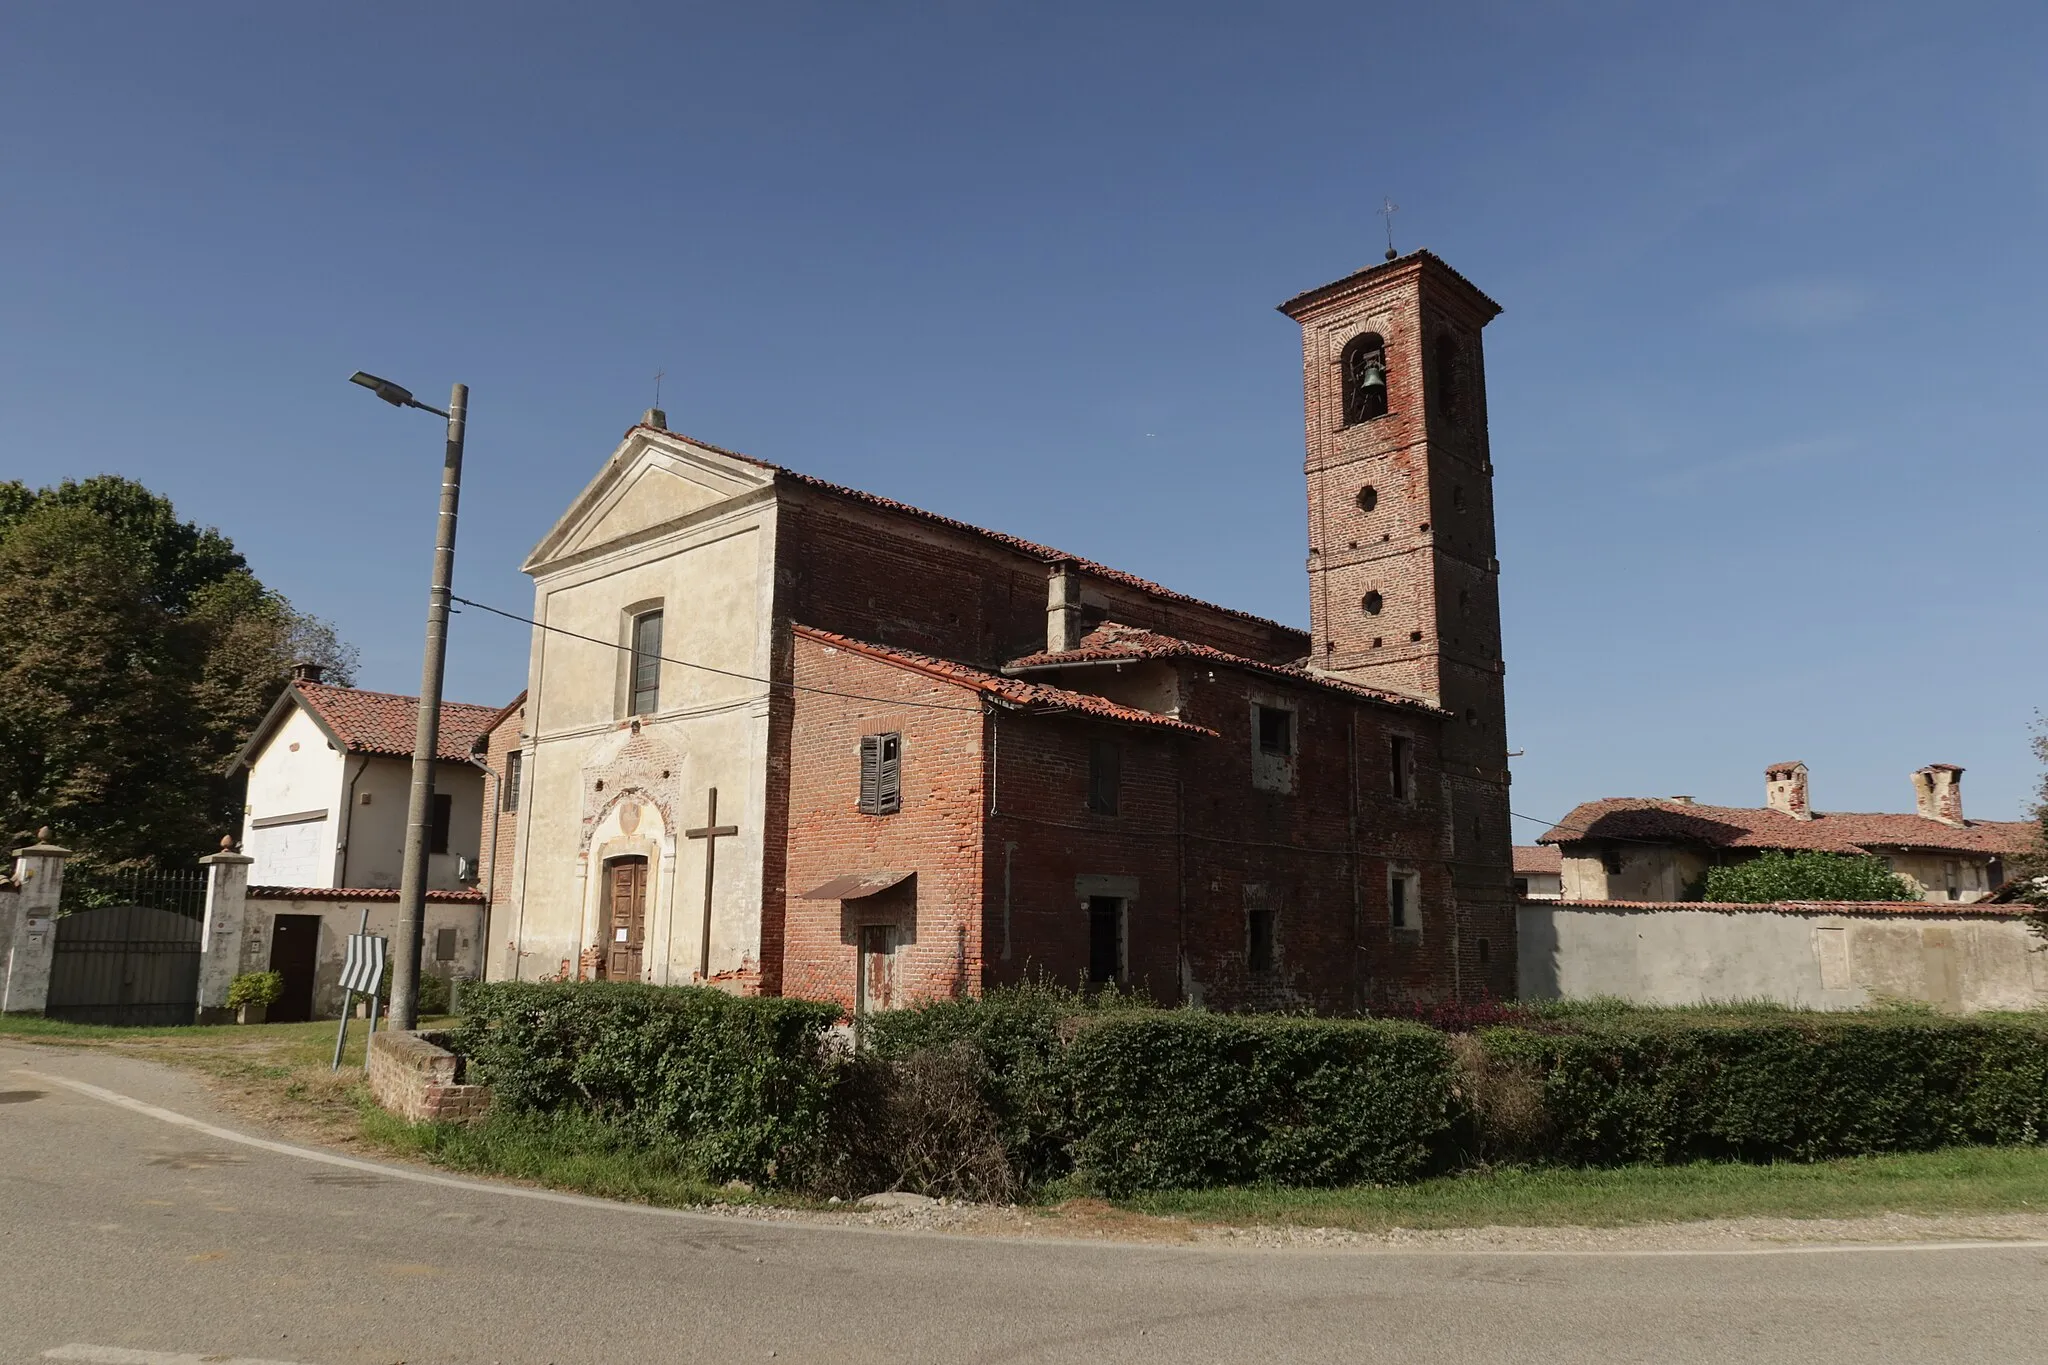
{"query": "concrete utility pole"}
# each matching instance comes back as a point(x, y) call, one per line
point(419, 816)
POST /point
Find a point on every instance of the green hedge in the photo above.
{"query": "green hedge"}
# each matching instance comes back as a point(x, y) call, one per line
point(1802, 1088)
point(1017, 1033)
point(741, 1085)
point(1182, 1100)
point(1030, 1085)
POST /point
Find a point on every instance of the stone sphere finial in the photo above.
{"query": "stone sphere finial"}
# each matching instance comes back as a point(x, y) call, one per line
point(227, 843)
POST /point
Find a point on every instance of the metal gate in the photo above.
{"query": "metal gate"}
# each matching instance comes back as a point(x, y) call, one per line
point(125, 964)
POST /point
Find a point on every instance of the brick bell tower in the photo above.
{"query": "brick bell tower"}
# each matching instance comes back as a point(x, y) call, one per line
point(1403, 582)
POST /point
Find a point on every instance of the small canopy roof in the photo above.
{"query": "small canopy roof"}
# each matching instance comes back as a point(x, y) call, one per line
point(855, 885)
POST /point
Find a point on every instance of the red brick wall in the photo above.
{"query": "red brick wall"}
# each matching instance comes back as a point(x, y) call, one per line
point(499, 746)
point(1043, 838)
point(869, 574)
point(937, 833)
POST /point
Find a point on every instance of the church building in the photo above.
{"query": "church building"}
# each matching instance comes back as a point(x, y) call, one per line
point(786, 737)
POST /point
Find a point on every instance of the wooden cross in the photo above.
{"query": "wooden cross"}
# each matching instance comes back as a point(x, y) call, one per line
point(710, 832)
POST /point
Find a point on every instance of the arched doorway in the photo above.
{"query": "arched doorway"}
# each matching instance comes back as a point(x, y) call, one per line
point(625, 919)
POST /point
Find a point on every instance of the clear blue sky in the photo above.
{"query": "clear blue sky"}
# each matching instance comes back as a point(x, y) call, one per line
point(1767, 397)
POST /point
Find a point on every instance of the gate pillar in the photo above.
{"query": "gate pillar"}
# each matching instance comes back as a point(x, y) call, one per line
point(224, 937)
point(32, 938)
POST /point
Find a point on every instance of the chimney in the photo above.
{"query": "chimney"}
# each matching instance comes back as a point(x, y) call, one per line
point(656, 418)
point(1785, 790)
point(305, 670)
point(1063, 625)
point(1938, 793)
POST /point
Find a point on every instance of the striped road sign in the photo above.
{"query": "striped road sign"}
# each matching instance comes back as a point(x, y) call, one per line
point(362, 968)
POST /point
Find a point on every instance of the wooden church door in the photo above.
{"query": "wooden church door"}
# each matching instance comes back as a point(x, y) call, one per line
point(627, 926)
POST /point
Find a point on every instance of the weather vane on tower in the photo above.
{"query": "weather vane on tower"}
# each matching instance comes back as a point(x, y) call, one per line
point(1388, 208)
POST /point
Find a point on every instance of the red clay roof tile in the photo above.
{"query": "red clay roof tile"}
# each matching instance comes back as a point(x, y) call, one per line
point(383, 722)
point(1015, 691)
point(1649, 820)
point(1112, 642)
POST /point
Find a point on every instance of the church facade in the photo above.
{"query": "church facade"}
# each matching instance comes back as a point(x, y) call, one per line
point(788, 737)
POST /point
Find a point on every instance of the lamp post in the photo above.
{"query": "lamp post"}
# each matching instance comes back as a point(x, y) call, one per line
point(419, 815)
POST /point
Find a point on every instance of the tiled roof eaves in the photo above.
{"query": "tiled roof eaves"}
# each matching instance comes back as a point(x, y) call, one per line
point(459, 721)
point(1044, 553)
point(1944, 909)
point(1159, 646)
point(357, 893)
point(1012, 691)
point(1648, 820)
point(1359, 277)
point(483, 739)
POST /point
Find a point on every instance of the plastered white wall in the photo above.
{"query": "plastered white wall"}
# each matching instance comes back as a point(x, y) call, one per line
point(1685, 957)
point(299, 770)
point(707, 557)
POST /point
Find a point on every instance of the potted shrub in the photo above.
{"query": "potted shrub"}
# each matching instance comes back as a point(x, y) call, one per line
point(252, 994)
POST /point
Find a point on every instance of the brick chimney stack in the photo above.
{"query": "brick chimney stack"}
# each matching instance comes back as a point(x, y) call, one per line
point(1938, 793)
point(1063, 624)
point(305, 670)
point(1785, 790)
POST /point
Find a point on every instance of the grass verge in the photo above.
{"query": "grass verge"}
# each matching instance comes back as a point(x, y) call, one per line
point(563, 1152)
point(1954, 1180)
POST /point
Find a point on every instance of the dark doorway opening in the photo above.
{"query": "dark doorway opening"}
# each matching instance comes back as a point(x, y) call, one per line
point(1105, 939)
point(294, 954)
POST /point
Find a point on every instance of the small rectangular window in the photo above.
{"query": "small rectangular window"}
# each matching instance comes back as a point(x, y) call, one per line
point(881, 774)
point(444, 945)
point(1521, 886)
point(1397, 767)
point(1105, 939)
point(444, 817)
point(645, 696)
point(1403, 910)
point(1610, 858)
point(508, 799)
point(1259, 930)
point(1276, 731)
point(1105, 775)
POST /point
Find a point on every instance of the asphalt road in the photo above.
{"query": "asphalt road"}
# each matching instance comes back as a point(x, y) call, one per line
point(128, 1238)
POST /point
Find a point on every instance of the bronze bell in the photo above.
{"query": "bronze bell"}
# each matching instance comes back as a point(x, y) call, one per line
point(1374, 378)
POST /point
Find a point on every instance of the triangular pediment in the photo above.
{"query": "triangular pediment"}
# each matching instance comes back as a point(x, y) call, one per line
point(653, 480)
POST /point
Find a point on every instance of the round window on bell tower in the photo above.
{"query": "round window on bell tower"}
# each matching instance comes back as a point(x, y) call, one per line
point(1373, 602)
point(1368, 498)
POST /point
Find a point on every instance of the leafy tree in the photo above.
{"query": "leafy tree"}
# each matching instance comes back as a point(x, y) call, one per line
point(1807, 876)
point(2031, 869)
point(140, 651)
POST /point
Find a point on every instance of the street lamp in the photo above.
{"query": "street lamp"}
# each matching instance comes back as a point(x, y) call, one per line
point(412, 884)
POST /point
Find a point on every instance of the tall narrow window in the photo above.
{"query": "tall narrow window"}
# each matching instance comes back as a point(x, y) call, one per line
point(1105, 775)
point(881, 774)
point(1259, 932)
point(1403, 895)
point(646, 679)
point(1399, 781)
point(1365, 378)
point(444, 817)
point(1105, 939)
point(508, 799)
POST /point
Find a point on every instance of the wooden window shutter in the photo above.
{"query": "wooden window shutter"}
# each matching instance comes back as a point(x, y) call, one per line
point(871, 774)
point(889, 776)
